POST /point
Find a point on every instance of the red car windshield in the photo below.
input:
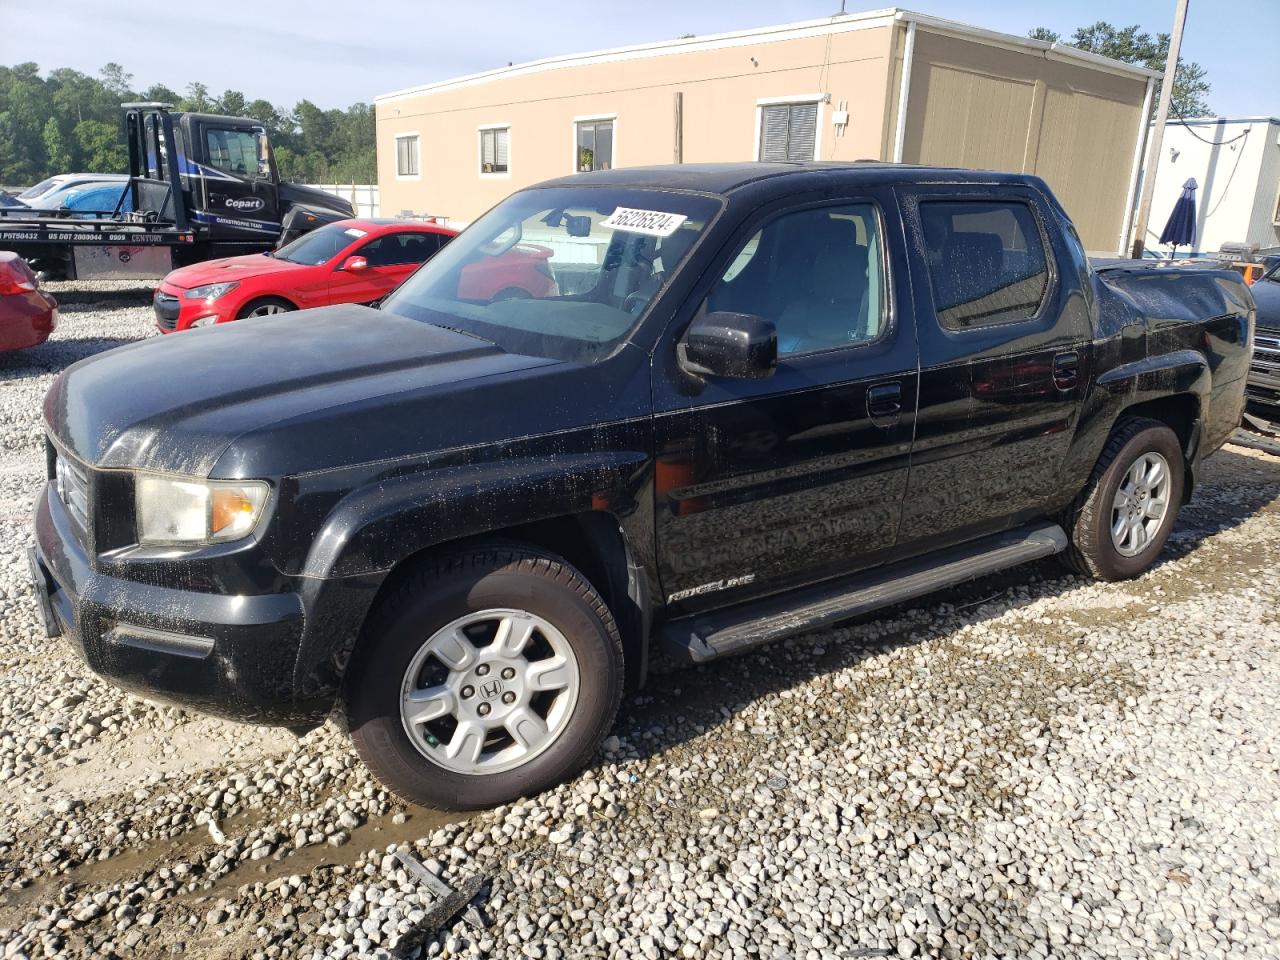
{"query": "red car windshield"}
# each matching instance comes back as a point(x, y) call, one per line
point(605, 254)
point(319, 246)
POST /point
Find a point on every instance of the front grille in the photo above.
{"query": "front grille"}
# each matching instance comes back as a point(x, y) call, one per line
point(1266, 359)
point(167, 308)
point(71, 482)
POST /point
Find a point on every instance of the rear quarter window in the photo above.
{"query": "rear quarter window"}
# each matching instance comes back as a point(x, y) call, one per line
point(987, 262)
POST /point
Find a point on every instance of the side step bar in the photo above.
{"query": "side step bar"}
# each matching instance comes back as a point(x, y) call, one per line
point(717, 634)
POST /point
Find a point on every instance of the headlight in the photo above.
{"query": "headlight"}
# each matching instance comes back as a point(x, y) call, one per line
point(174, 510)
point(210, 291)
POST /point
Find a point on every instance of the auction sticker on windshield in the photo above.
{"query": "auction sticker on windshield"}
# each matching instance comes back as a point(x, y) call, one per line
point(653, 223)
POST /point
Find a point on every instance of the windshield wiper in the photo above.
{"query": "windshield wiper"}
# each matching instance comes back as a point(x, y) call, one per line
point(465, 333)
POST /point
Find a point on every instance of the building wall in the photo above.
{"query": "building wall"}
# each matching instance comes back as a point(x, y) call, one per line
point(995, 102)
point(1238, 183)
point(720, 89)
point(986, 107)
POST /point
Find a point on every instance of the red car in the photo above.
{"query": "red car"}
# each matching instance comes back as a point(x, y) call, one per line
point(351, 261)
point(27, 314)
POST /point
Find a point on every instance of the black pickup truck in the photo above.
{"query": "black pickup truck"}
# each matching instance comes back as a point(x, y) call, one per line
point(780, 395)
point(200, 186)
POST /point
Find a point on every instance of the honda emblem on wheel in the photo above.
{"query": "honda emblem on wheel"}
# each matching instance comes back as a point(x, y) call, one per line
point(491, 689)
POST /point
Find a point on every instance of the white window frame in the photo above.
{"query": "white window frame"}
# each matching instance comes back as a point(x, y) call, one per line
point(480, 151)
point(819, 98)
point(418, 146)
point(573, 137)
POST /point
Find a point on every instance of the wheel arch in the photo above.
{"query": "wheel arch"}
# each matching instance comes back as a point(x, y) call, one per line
point(376, 534)
point(257, 298)
point(594, 543)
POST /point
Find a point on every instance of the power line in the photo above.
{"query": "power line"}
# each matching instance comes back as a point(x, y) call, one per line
point(1212, 143)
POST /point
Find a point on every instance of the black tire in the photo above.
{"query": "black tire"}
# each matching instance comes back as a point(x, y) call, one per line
point(437, 593)
point(1092, 551)
point(283, 305)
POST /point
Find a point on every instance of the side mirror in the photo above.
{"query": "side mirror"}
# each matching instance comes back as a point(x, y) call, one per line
point(723, 344)
point(354, 264)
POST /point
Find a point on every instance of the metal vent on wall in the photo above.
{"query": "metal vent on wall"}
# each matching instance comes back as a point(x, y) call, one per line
point(788, 131)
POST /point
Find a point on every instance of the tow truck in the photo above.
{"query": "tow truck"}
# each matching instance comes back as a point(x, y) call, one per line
point(200, 186)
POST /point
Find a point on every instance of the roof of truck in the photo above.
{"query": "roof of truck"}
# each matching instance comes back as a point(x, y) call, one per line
point(726, 177)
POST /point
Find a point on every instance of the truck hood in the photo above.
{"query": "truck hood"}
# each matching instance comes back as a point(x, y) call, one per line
point(292, 194)
point(1266, 294)
point(272, 396)
point(227, 269)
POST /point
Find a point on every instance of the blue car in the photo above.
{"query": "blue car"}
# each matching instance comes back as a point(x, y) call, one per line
point(100, 198)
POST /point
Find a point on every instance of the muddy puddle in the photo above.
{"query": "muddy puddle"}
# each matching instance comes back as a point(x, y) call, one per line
point(137, 862)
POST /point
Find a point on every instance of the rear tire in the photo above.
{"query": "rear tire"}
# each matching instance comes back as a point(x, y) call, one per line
point(265, 307)
point(447, 716)
point(1123, 517)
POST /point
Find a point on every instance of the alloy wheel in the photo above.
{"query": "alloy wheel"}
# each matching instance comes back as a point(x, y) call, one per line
point(1140, 504)
point(489, 691)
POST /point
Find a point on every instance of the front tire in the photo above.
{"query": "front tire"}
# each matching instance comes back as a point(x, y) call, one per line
point(483, 677)
point(1124, 515)
point(265, 307)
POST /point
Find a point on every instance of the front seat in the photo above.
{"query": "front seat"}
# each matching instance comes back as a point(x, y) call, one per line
point(832, 309)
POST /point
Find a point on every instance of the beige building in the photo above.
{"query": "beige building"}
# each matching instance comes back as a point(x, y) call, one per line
point(830, 89)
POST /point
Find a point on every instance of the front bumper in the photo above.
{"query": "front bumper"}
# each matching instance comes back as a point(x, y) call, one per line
point(174, 312)
point(232, 656)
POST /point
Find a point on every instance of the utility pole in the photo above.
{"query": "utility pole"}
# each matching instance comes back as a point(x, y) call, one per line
point(1157, 135)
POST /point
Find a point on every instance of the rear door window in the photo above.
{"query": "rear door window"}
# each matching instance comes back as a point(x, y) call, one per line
point(396, 249)
point(987, 262)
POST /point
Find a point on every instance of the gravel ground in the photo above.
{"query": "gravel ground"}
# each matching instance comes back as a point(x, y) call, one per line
point(1030, 766)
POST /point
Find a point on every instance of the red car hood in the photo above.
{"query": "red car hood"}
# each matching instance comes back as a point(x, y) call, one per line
point(228, 269)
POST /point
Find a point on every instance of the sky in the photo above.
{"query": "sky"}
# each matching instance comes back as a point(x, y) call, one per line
point(338, 52)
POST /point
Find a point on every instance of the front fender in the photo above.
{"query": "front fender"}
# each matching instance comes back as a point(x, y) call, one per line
point(377, 526)
point(374, 528)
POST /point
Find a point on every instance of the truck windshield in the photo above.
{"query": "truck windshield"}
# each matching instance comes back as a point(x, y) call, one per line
point(560, 272)
point(320, 245)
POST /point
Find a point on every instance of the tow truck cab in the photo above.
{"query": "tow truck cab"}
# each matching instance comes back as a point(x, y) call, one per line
point(229, 191)
point(200, 186)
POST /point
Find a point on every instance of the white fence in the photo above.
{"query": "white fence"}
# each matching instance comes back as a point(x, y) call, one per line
point(364, 196)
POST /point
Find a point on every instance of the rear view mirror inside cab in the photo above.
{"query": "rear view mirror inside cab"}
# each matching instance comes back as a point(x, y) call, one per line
point(577, 226)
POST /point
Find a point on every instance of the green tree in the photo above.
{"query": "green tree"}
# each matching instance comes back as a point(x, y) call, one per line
point(1132, 44)
point(197, 99)
point(56, 149)
point(102, 147)
point(159, 93)
point(68, 120)
point(117, 81)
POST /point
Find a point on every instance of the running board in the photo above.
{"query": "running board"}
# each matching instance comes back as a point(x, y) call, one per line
point(722, 632)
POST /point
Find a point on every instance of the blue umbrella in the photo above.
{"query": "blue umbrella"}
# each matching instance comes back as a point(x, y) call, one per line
point(1180, 231)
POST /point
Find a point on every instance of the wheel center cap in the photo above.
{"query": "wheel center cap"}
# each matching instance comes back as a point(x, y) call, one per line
point(491, 689)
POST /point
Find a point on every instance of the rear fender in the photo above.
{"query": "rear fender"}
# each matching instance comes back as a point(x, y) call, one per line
point(1180, 373)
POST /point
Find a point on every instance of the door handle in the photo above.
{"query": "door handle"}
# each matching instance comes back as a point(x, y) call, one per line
point(884, 404)
point(1066, 370)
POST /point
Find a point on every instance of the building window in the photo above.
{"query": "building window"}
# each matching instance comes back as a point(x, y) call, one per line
point(407, 155)
point(594, 141)
point(987, 262)
point(495, 150)
point(788, 131)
